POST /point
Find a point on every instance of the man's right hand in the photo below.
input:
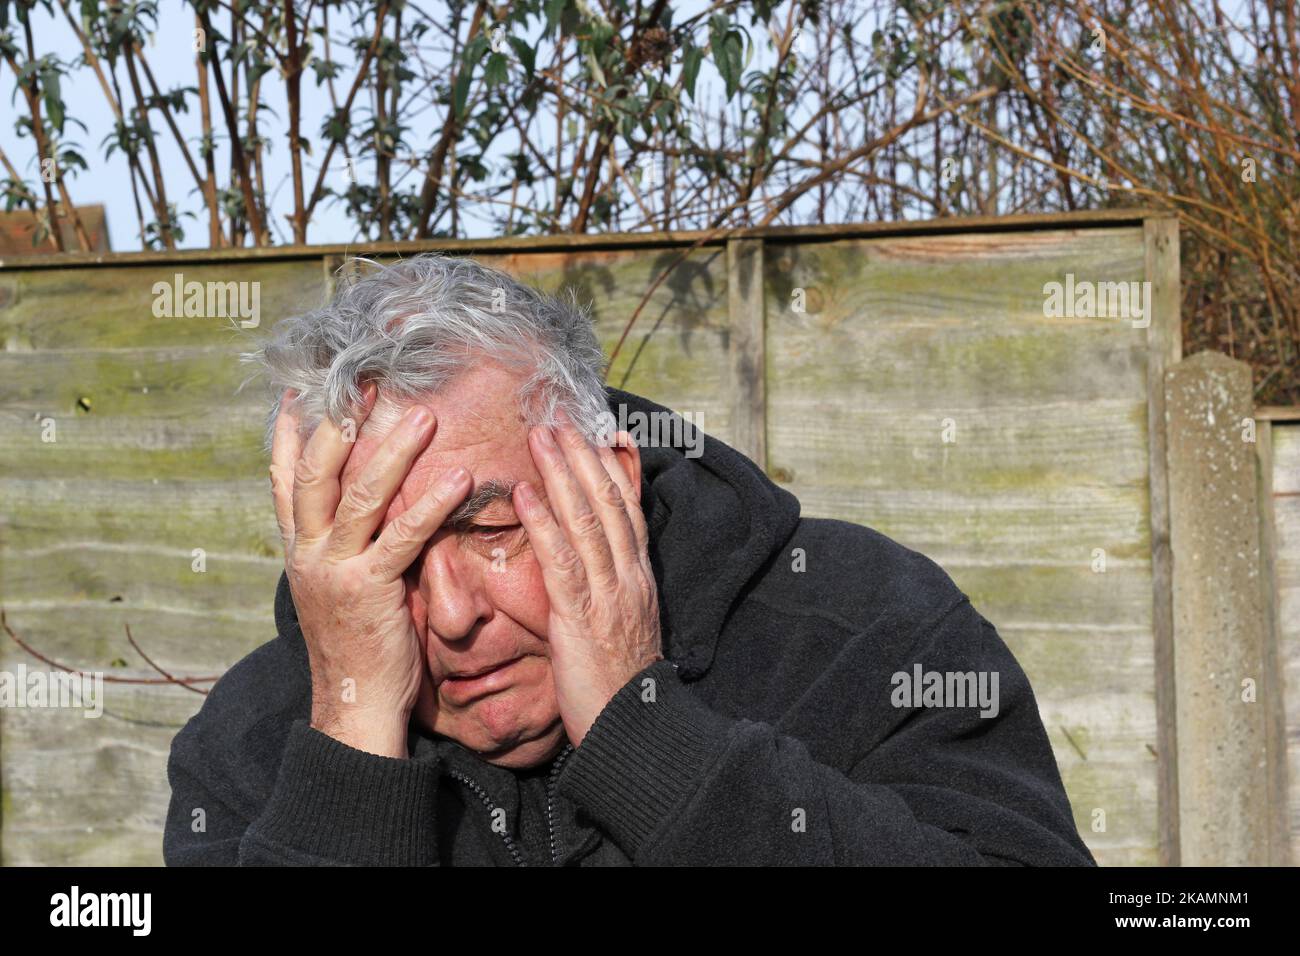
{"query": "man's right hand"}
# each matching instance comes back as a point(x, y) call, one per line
point(348, 586)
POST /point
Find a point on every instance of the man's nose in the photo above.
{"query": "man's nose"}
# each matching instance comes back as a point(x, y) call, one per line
point(453, 592)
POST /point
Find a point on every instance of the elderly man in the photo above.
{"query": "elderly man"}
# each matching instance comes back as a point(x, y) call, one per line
point(510, 636)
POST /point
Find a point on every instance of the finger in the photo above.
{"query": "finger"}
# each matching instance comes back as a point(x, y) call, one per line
point(367, 496)
point(286, 448)
point(316, 473)
point(562, 570)
point(601, 491)
point(581, 525)
point(406, 535)
point(631, 497)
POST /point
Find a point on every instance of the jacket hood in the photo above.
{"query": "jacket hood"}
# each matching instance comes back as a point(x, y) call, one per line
point(715, 522)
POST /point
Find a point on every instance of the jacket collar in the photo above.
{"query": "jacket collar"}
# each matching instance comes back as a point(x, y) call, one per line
point(715, 521)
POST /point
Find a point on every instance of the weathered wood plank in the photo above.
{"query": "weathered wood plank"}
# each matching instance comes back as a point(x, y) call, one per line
point(178, 383)
point(114, 308)
point(747, 349)
point(1093, 218)
point(85, 792)
point(922, 391)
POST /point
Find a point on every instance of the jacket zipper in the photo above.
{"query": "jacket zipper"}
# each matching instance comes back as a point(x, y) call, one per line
point(491, 807)
point(550, 799)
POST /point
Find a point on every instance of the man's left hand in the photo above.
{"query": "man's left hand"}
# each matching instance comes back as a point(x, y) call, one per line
point(590, 539)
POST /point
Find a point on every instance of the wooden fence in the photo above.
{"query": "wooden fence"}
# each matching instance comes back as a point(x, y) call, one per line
point(912, 378)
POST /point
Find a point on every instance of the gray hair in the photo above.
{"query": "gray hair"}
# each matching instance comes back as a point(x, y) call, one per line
point(412, 326)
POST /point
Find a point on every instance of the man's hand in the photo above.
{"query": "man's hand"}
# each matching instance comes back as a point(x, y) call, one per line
point(591, 543)
point(362, 646)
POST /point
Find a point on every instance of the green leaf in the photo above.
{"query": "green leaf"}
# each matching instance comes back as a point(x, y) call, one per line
point(460, 94)
point(727, 58)
point(554, 11)
point(257, 71)
point(691, 69)
point(325, 70)
point(497, 71)
point(475, 49)
point(596, 71)
point(570, 19)
point(526, 53)
point(55, 109)
point(601, 34)
point(53, 101)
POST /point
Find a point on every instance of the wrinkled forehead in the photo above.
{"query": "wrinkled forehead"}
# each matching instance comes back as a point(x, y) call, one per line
point(481, 427)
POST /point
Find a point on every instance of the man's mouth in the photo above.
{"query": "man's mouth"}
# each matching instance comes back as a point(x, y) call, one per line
point(464, 686)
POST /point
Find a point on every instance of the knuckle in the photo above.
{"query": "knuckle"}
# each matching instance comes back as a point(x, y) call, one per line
point(438, 502)
point(362, 497)
point(609, 493)
point(587, 524)
point(399, 530)
point(298, 569)
point(380, 564)
point(567, 562)
point(605, 579)
point(350, 588)
point(573, 438)
point(306, 472)
point(279, 484)
point(403, 529)
point(642, 583)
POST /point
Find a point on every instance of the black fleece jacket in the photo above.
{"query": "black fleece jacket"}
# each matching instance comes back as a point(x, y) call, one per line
point(769, 734)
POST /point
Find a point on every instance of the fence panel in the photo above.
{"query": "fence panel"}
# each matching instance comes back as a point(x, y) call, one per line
point(906, 378)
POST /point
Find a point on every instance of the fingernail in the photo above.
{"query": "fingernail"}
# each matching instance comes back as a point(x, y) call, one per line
point(419, 415)
point(457, 475)
point(546, 437)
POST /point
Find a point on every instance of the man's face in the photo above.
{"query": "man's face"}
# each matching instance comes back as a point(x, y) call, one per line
point(476, 593)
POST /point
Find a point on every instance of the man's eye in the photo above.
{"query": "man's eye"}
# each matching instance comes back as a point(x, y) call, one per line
point(495, 541)
point(492, 532)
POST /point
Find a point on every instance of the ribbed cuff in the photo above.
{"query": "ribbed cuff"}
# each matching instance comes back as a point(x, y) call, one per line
point(642, 758)
point(342, 805)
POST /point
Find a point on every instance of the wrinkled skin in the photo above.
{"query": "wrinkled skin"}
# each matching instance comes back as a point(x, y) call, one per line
point(400, 610)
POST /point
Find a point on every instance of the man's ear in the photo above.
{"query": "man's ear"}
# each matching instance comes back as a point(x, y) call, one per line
point(628, 457)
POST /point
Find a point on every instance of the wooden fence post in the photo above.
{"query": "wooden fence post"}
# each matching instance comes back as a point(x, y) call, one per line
point(1221, 658)
point(1164, 348)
